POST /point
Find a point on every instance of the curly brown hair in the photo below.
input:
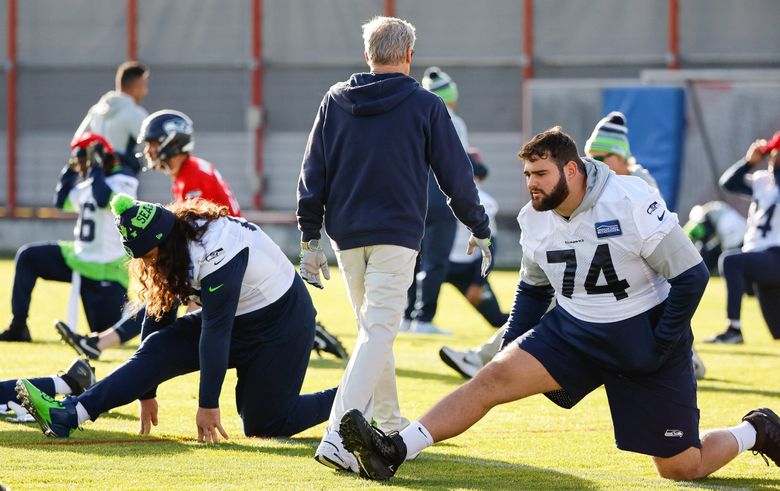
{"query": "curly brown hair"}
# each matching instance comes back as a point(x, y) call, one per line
point(165, 279)
point(552, 144)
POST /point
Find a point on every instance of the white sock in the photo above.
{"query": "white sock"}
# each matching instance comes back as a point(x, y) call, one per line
point(735, 324)
point(745, 434)
point(82, 413)
point(61, 387)
point(417, 438)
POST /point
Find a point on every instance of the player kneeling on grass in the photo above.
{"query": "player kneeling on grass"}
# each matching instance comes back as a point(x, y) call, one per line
point(257, 317)
point(627, 281)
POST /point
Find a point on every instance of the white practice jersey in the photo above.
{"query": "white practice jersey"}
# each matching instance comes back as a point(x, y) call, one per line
point(269, 274)
point(595, 262)
point(730, 227)
point(96, 238)
point(462, 235)
point(763, 229)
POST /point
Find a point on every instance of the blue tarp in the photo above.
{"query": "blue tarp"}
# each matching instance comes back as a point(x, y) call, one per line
point(656, 130)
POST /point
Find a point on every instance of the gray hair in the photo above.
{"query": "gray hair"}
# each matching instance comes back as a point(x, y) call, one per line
point(386, 40)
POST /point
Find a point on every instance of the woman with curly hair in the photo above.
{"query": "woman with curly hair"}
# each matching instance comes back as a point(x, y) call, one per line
point(256, 316)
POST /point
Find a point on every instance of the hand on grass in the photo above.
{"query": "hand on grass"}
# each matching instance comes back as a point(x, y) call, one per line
point(148, 415)
point(209, 423)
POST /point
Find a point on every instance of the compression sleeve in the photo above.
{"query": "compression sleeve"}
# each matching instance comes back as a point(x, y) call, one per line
point(219, 295)
point(734, 178)
point(530, 304)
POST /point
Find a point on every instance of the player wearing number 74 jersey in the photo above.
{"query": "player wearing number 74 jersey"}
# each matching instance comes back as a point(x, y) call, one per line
point(627, 281)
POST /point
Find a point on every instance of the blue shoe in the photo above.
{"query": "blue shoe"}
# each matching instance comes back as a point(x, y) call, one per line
point(56, 419)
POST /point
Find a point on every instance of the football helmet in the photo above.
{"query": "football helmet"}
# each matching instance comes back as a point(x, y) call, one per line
point(173, 130)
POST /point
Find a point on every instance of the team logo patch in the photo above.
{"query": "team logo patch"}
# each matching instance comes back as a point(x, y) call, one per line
point(673, 433)
point(653, 206)
point(214, 254)
point(609, 228)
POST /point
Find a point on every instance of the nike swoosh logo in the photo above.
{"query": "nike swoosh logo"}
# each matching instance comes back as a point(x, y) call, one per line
point(212, 289)
point(660, 218)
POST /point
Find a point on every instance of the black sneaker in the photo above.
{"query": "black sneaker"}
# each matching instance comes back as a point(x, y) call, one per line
point(378, 455)
point(20, 334)
point(729, 336)
point(86, 346)
point(80, 376)
point(767, 426)
point(327, 342)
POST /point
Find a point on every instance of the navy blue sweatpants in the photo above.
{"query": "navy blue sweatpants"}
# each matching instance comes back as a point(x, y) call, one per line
point(8, 388)
point(103, 300)
point(761, 268)
point(269, 349)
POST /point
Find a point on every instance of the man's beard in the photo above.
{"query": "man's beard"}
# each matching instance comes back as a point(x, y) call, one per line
point(551, 201)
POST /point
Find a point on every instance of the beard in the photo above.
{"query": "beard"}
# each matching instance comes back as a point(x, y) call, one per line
point(551, 200)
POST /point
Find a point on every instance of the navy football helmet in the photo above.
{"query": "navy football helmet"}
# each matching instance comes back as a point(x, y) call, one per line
point(172, 129)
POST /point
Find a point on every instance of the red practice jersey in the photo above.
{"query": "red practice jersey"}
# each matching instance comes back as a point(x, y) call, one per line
point(200, 179)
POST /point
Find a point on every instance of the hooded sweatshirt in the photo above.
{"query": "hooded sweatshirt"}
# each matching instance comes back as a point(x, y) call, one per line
point(649, 315)
point(118, 119)
point(365, 169)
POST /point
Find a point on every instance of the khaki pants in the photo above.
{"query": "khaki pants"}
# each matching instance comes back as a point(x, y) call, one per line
point(377, 279)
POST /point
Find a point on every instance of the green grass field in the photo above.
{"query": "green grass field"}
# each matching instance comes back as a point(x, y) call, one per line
point(530, 444)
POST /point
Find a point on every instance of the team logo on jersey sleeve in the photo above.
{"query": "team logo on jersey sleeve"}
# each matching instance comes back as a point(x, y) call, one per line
point(610, 228)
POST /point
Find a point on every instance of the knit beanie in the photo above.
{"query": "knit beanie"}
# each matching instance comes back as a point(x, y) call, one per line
point(610, 136)
point(143, 225)
point(437, 81)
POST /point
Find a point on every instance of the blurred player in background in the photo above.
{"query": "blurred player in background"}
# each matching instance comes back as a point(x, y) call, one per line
point(440, 226)
point(759, 260)
point(464, 275)
point(96, 253)
point(168, 139)
point(609, 144)
point(117, 116)
point(627, 281)
point(715, 228)
point(257, 317)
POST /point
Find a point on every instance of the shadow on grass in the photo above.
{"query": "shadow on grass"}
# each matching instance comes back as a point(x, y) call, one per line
point(739, 390)
point(95, 442)
point(329, 363)
point(737, 352)
point(441, 471)
point(734, 483)
point(453, 380)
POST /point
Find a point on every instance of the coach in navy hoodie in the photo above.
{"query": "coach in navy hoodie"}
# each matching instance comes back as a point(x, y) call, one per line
point(365, 176)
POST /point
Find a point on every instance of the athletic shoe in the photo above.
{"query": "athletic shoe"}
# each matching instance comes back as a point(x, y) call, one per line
point(378, 455)
point(729, 336)
point(20, 334)
point(86, 346)
point(421, 327)
point(80, 376)
point(331, 453)
point(405, 325)
point(327, 342)
point(698, 366)
point(56, 419)
point(467, 363)
point(767, 426)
